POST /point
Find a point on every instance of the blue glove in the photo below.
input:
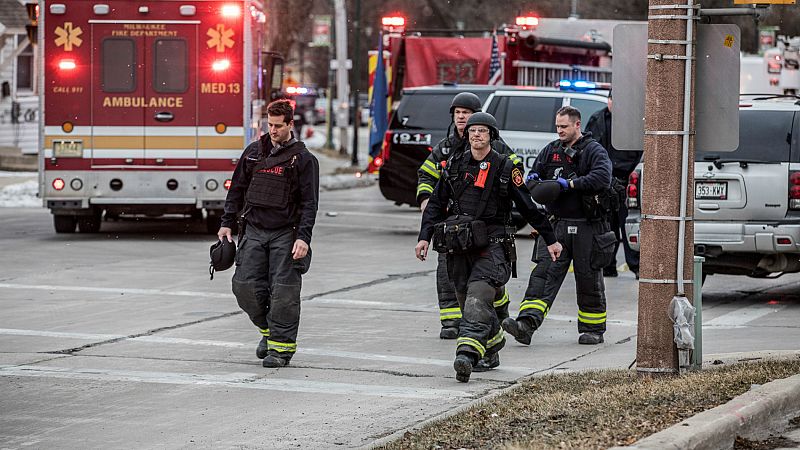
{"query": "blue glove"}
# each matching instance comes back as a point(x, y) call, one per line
point(564, 183)
point(533, 176)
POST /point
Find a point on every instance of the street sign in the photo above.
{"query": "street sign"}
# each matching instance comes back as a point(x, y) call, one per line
point(321, 32)
point(716, 87)
point(764, 2)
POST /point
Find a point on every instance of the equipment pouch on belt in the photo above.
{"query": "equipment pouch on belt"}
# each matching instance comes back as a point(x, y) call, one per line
point(460, 234)
point(602, 249)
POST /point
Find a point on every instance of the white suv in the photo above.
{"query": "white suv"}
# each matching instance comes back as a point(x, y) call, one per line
point(747, 202)
point(526, 115)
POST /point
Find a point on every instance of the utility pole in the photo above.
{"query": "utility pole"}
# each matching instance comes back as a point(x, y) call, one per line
point(342, 109)
point(669, 178)
point(356, 82)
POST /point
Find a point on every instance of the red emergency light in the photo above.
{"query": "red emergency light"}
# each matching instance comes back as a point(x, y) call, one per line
point(393, 22)
point(67, 64)
point(231, 11)
point(527, 21)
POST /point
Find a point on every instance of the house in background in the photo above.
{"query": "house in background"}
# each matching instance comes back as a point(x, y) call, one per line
point(19, 100)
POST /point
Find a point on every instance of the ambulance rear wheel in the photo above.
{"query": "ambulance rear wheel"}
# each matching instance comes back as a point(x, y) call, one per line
point(89, 224)
point(64, 224)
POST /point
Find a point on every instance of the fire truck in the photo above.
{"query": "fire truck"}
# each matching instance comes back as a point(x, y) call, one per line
point(531, 52)
point(147, 105)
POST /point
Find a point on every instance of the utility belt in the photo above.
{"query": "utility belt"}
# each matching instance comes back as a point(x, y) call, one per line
point(460, 234)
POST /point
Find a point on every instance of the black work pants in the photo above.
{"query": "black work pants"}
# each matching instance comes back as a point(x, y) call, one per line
point(449, 307)
point(267, 285)
point(479, 278)
point(577, 237)
point(618, 227)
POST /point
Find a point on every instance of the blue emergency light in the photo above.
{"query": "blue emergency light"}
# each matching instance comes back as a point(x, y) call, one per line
point(577, 85)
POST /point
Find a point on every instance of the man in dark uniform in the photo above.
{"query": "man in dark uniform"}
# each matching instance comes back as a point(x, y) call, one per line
point(475, 193)
point(462, 107)
point(275, 191)
point(624, 163)
point(581, 167)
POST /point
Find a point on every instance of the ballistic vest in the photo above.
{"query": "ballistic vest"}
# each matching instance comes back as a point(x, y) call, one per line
point(463, 173)
point(274, 177)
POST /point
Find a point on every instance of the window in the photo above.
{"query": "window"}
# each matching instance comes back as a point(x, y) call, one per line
point(119, 65)
point(429, 111)
point(536, 114)
point(587, 108)
point(763, 136)
point(170, 62)
point(25, 67)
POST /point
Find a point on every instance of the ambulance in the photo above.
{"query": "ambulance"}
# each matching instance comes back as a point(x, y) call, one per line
point(147, 105)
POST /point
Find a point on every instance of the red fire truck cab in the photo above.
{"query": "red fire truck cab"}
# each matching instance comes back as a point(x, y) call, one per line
point(147, 105)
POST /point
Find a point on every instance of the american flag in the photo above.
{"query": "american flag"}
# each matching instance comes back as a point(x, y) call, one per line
point(495, 74)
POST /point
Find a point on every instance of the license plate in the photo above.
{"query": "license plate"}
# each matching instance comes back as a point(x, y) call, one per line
point(72, 149)
point(711, 191)
point(412, 138)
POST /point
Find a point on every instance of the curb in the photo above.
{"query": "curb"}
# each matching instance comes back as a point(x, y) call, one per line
point(754, 415)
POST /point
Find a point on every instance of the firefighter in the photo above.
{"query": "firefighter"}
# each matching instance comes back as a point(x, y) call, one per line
point(582, 168)
point(623, 164)
point(462, 107)
point(275, 192)
point(467, 217)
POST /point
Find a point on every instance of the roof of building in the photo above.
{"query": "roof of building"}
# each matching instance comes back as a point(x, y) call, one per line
point(13, 15)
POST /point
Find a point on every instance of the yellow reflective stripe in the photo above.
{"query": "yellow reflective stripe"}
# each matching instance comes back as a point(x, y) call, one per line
point(281, 346)
point(496, 339)
point(472, 343)
point(431, 171)
point(502, 301)
point(449, 313)
point(430, 164)
point(592, 318)
point(264, 331)
point(541, 305)
point(514, 158)
point(591, 321)
point(591, 315)
point(424, 187)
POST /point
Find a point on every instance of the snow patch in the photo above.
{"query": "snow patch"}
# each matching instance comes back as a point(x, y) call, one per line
point(22, 195)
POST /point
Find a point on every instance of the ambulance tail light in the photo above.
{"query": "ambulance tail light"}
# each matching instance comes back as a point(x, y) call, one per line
point(227, 184)
point(231, 11)
point(58, 184)
point(221, 65)
point(794, 190)
point(633, 189)
point(67, 64)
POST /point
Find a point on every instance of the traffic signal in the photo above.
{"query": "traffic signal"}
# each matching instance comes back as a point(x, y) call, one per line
point(32, 28)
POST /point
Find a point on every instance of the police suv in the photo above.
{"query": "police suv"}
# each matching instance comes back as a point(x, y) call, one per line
point(525, 117)
point(747, 202)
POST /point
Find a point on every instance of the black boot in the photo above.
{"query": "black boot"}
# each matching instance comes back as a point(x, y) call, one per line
point(520, 329)
point(590, 338)
point(273, 361)
point(261, 350)
point(448, 333)
point(463, 367)
point(487, 363)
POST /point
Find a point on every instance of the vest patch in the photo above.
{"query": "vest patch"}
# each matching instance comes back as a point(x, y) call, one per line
point(516, 177)
point(277, 170)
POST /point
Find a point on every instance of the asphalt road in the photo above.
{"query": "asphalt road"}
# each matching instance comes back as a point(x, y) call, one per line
point(120, 340)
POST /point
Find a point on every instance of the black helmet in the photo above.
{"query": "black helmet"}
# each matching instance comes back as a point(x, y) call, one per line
point(482, 118)
point(466, 100)
point(545, 191)
point(222, 253)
